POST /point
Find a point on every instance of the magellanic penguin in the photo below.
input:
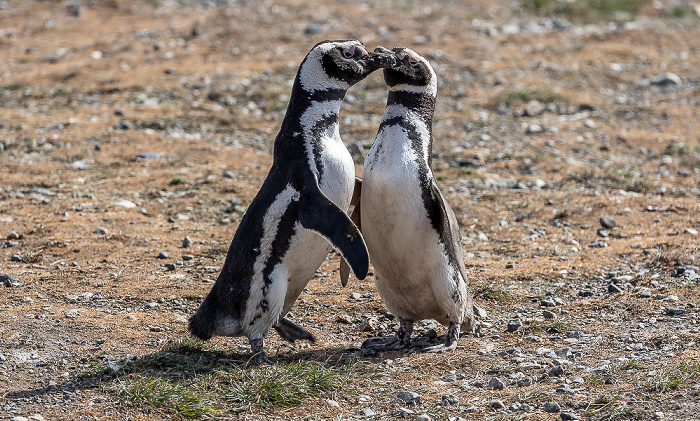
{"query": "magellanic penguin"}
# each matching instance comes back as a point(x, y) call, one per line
point(411, 232)
point(297, 215)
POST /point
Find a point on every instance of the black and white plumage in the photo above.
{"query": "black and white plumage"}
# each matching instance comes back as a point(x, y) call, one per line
point(411, 232)
point(297, 215)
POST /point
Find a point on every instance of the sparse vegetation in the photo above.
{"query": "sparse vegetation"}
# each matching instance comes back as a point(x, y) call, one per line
point(488, 292)
point(673, 377)
point(587, 10)
point(525, 95)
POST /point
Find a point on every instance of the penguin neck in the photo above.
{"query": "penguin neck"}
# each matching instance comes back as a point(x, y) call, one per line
point(301, 99)
point(420, 103)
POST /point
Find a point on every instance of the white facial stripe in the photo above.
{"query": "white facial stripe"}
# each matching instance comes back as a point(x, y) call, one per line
point(397, 110)
point(313, 77)
point(271, 221)
point(316, 112)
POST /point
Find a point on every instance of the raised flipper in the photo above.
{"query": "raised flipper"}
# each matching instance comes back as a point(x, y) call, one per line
point(290, 332)
point(355, 218)
point(319, 214)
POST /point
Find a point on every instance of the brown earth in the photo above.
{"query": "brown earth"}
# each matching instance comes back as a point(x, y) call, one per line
point(84, 100)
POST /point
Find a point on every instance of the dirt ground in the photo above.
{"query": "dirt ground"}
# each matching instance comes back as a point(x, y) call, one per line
point(126, 126)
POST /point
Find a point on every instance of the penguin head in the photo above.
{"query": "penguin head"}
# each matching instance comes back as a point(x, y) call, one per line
point(410, 72)
point(337, 65)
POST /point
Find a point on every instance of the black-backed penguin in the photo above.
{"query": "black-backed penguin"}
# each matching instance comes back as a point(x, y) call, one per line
point(411, 232)
point(297, 215)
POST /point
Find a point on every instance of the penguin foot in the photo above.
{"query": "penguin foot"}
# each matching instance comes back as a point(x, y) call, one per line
point(259, 356)
point(391, 343)
point(448, 341)
point(290, 332)
point(400, 341)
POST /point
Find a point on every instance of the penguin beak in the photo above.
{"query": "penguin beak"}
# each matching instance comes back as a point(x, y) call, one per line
point(382, 58)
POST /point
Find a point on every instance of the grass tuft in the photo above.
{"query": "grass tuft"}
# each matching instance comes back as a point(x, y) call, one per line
point(488, 292)
point(197, 383)
point(673, 377)
point(587, 10)
point(525, 95)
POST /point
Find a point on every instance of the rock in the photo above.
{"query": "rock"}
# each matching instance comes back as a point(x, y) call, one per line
point(547, 303)
point(515, 407)
point(312, 29)
point(533, 128)
point(229, 174)
point(423, 417)
point(101, 231)
point(332, 403)
point(8, 280)
point(557, 371)
point(666, 79)
point(585, 294)
point(150, 155)
point(472, 409)
point(606, 222)
point(602, 233)
point(549, 314)
point(480, 312)
point(370, 324)
point(14, 236)
point(37, 417)
point(73, 10)
point(356, 149)
point(496, 384)
point(19, 419)
point(71, 314)
point(410, 398)
point(566, 416)
point(71, 299)
point(14, 257)
point(613, 289)
point(123, 203)
point(674, 311)
point(514, 325)
point(691, 231)
point(645, 294)
point(368, 412)
point(162, 255)
point(123, 125)
point(496, 404)
point(534, 108)
point(450, 399)
point(187, 242)
point(552, 407)
point(598, 244)
point(170, 266)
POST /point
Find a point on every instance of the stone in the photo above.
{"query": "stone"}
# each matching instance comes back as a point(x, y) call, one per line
point(162, 255)
point(557, 371)
point(71, 298)
point(480, 312)
point(71, 314)
point(547, 303)
point(533, 128)
point(496, 384)
point(666, 79)
point(606, 222)
point(552, 407)
point(565, 389)
point(356, 149)
point(170, 266)
point(514, 325)
point(566, 416)
point(229, 174)
point(14, 257)
point(423, 417)
point(613, 289)
point(370, 324)
point(187, 242)
point(101, 231)
point(332, 403)
point(8, 280)
point(534, 108)
point(496, 404)
point(368, 412)
point(674, 311)
point(549, 314)
point(450, 399)
point(410, 398)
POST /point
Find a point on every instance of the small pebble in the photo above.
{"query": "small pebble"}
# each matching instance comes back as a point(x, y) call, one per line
point(187, 242)
point(162, 255)
point(368, 412)
point(411, 398)
point(496, 384)
point(170, 266)
point(552, 407)
point(549, 314)
point(608, 223)
point(450, 399)
point(423, 417)
point(566, 416)
point(612, 288)
point(496, 404)
point(514, 325)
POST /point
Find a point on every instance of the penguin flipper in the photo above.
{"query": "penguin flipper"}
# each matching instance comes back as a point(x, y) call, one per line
point(290, 331)
point(319, 214)
point(450, 227)
point(355, 218)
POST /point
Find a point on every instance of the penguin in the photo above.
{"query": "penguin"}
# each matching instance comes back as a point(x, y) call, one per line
point(411, 232)
point(297, 216)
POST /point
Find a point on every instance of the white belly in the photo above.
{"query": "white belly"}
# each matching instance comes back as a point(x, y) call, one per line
point(404, 248)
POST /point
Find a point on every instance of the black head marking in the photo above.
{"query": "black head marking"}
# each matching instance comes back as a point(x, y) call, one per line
point(411, 71)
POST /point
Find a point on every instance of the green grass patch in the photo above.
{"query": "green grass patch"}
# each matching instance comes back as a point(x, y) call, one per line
point(12, 86)
point(488, 292)
point(554, 327)
point(672, 378)
point(176, 180)
point(195, 382)
point(525, 95)
point(587, 10)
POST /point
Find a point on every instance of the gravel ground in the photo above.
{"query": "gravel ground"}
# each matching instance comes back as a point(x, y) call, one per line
point(133, 134)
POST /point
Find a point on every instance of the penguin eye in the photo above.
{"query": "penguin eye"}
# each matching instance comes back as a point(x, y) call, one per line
point(349, 53)
point(412, 61)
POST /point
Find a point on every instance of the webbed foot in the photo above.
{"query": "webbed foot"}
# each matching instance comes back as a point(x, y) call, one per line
point(259, 356)
point(448, 341)
point(400, 341)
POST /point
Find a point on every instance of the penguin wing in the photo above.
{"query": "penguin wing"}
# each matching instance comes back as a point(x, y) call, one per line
point(319, 214)
point(355, 218)
point(449, 229)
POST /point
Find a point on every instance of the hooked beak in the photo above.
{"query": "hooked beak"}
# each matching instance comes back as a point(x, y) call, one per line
point(382, 58)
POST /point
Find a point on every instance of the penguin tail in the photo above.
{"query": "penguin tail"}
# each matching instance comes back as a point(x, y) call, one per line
point(202, 324)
